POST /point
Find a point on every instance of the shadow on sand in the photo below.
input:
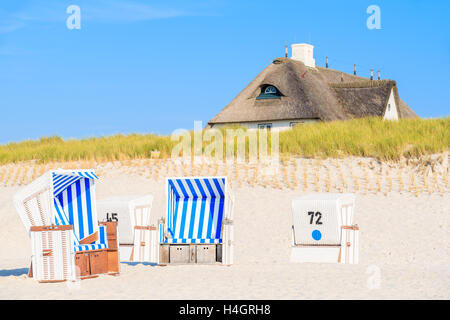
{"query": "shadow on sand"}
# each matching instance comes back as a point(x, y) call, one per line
point(151, 264)
point(13, 272)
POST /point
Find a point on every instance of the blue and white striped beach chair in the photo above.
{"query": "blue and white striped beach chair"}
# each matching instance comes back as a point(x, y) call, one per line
point(199, 211)
point(74, 202)
point(61, 198)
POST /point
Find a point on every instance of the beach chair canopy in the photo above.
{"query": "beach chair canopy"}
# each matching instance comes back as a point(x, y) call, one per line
point(195, 210)
point(64, 197)
point(74, 201)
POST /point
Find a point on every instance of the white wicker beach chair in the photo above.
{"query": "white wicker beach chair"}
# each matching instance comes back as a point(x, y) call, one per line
point(145, 238)
point(322, 228)
point(198, 226)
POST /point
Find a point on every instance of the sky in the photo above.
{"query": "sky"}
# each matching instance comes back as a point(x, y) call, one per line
point(156, 66)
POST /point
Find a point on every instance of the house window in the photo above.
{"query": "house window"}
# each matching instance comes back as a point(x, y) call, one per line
point(269, 92)
point(389, 107)
point(267, 126)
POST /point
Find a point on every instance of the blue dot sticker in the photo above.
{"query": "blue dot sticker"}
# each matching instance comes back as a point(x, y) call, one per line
point(317, 235)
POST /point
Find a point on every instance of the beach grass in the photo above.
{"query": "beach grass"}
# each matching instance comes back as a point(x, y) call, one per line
point(368, 137)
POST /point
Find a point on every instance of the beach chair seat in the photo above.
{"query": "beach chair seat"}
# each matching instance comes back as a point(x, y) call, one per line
point(197, 209)
point(192, 241)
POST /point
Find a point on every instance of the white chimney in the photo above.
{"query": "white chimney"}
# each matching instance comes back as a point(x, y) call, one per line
point(304, 52)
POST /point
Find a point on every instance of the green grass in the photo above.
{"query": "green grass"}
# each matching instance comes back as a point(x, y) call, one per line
point(370, 137)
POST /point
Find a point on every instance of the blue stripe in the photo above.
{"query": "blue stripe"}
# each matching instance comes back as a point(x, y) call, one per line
point(183, 218)
point(210, 189)
point(80, 210)
point(174, 219)
point(200, 188)
point(194, 193)
point(87, 185)
point(102, 234)
point(211, 214)
point(180, 184)
point(220, 218)
point(218, 187)
point(192, 222)
point(172, 186)
point(201, 219)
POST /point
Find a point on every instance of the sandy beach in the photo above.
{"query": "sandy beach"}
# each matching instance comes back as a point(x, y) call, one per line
point(404, 247)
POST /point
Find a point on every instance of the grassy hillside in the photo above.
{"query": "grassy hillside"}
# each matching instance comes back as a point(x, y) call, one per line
point(362, 137)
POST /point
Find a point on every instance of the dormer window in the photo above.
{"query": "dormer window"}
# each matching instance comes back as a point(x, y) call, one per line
point(269, 92)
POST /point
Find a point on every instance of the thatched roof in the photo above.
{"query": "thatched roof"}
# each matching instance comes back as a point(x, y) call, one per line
point(310, 93)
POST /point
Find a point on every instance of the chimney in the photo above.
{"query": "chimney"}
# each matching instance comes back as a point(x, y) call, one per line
point(379, 75)
point(354, 69)
point(304, 52)
point(371, 74)
point(327, 62)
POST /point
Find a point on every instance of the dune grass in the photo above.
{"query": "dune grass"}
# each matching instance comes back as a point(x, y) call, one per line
point(369, 137)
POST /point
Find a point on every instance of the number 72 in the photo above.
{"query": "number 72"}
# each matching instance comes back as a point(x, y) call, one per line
point(317, 214)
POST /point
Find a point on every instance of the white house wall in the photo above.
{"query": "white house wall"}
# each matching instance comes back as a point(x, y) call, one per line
point(391, 109)
point(279, 125)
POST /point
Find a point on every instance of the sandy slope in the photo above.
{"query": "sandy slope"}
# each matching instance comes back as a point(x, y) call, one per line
point(404, 237)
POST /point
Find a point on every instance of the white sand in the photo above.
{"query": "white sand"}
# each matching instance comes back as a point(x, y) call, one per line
point(405, 237)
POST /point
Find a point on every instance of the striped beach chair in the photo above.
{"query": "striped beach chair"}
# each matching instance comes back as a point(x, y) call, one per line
point(58, 210)
point(74, 203)
point(199, 212)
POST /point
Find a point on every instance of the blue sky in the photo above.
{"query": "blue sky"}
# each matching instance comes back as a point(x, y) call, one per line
point(155, 66)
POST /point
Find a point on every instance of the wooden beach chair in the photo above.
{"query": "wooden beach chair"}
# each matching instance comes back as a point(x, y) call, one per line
point(145, 240)
point(322, 229)
point(61, 206)
point(198, 226)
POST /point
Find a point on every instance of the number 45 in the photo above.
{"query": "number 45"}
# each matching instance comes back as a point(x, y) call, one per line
point(317, 214)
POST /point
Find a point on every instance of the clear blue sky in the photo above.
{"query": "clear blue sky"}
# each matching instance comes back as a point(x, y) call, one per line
point(155, 66)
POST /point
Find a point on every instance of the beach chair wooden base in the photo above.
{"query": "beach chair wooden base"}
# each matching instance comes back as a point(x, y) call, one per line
point(113, 259)
point(190, 254)
point(91, 263)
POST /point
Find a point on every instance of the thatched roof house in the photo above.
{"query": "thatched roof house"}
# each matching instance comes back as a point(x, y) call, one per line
point(293, 90)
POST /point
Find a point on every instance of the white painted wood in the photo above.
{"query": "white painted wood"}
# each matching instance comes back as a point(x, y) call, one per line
point(391, 112)
point(60, 264)
point(279, 125)
point(146, 246)
point(318, 218)
point(350, 245)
